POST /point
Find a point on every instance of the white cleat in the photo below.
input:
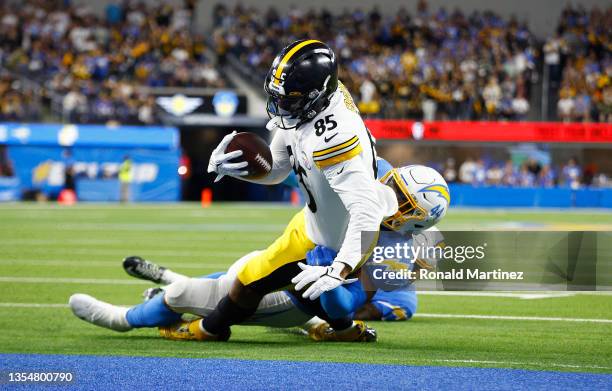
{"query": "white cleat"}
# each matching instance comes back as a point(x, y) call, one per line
point(99, 313)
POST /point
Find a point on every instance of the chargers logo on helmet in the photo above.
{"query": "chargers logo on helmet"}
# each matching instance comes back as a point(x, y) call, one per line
point(423, 197)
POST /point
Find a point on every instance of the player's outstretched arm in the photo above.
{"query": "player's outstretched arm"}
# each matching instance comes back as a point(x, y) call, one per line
point(281, 166)
point(223, 163)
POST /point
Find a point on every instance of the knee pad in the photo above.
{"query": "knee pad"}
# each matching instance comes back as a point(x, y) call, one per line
point(198, 296)
point(177, 293)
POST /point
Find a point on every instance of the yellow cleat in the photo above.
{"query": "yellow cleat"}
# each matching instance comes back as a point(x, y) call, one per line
point(358, 332)
point(190, 331)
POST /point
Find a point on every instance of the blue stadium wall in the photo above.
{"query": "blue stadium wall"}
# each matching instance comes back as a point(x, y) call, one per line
point(557, 197)
point(41, 152)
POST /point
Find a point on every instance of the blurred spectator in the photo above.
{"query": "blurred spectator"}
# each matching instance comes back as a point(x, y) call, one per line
point(509, 177)
point(525, 177)
point(495, 175)
point(566, 106)
point(450, 173)
point(17, 100)
point(73, 104)
point(492, 97)
point(546, 177)
point(571, 174)
point(466, 171)
point(480, 173)
point(6, 166)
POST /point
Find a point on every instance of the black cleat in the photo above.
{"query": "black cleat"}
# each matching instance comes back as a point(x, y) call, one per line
point(137, 267)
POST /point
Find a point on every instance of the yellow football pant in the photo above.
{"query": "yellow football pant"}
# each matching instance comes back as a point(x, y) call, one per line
point(274, 268)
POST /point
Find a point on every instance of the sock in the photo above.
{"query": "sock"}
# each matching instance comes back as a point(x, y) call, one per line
point(168, 277)
point(152, 313)
point(224, 315)
point(340, 324)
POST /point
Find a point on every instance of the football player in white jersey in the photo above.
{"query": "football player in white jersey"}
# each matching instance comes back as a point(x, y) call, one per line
point(320, 135)
point(423, 197)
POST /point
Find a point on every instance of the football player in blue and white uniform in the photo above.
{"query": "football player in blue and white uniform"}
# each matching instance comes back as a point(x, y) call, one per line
point(419, 212)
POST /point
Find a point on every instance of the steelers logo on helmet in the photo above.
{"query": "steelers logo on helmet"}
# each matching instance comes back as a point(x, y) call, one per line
point(422, 195)
point(300, 83)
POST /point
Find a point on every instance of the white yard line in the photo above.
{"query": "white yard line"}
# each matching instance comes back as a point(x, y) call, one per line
point(125, 281)
point(62, 280)
point(108, 264)
point(518, 295)
point(503, 317)
point(120, 253)
point(516, 363)
point(33, 305)
point(421, 315)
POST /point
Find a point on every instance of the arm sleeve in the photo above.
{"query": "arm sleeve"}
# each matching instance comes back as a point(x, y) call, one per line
point(281, 166)
point(359, 192)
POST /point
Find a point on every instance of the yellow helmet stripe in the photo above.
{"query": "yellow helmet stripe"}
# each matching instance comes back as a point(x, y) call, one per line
point(285, 60)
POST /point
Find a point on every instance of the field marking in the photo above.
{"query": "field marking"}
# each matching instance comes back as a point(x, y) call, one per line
point(61, 280)
point(33, 305)
point(124, 281)
point(178, 241)
point(120, 253)
point(503, 317)
point(418, 315)
point(470, 361)
point(518, 295)
point(108, 264)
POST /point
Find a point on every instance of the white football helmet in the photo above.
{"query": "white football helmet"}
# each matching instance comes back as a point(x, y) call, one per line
point(422, 195)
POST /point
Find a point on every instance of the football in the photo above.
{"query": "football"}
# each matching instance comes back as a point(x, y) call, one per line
point(256, 152)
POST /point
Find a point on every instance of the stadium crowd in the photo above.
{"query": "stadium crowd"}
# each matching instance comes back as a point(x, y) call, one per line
point(94, 67)
point(580, 55)
point(529, 173)
point(18, 100)
point(431, 65)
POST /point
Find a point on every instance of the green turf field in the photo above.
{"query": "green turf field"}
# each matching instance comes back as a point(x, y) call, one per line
point(49, 252)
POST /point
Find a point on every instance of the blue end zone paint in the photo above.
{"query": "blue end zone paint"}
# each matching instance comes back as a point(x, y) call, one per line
point(131, 373)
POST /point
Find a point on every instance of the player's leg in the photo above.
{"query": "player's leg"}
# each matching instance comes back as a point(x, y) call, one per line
point(151, 313)
point(270, 270)
point(139, 267)
point(338, 326)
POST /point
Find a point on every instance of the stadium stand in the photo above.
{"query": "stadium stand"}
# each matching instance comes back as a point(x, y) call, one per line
point(432, 65)
point(66, 62)
point(529, 173)
point(92, 68)
point(583, 45)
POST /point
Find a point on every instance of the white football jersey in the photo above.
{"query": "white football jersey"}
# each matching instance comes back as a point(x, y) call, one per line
point(334, 159)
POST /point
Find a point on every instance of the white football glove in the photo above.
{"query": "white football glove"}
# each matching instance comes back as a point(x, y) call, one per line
point(219, 160)
point(324, 278)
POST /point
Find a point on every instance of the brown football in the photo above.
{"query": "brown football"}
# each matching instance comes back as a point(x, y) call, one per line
point(256, 152)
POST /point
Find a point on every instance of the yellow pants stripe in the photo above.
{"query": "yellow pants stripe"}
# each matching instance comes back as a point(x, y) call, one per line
point(290, 247)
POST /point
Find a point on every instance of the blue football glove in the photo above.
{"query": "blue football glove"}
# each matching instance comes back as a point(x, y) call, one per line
point(320, 256)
